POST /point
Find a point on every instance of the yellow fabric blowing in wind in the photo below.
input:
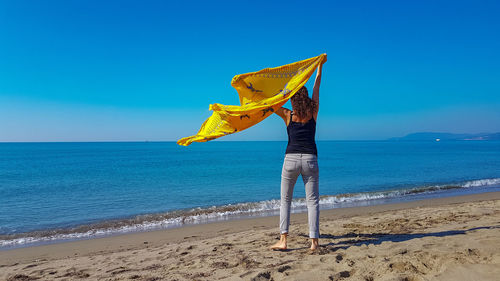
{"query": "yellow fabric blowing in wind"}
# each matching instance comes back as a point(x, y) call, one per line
point(261, 93)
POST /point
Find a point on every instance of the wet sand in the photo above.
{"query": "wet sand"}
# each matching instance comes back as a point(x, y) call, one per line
point(455, 238)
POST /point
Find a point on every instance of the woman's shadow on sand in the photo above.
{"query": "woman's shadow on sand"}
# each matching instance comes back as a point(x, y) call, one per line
point(359, 239)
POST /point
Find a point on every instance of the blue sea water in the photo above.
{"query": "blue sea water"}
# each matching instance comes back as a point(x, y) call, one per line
point(54, 191)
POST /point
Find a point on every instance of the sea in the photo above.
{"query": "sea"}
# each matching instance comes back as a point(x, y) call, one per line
point(62, 191)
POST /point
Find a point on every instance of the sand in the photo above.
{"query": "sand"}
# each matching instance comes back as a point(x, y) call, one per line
point(456, 238)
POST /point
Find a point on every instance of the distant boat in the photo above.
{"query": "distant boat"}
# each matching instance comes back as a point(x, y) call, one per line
point(438, 139)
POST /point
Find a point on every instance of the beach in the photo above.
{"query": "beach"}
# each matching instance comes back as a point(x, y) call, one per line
point(152, 141)
point(451, 238)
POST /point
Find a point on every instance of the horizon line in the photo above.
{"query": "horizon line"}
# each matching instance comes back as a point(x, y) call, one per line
point(146, 141)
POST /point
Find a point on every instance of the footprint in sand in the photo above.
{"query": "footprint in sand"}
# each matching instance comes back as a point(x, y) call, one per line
point(263, 276)
point(339, 258)
point(73, 272)
point(152, 267)
point(227, 246)
point(221, 265)
point(284, 268)
point(340, 275)
point(30, 266)
point(118, 270)
point(21, 277)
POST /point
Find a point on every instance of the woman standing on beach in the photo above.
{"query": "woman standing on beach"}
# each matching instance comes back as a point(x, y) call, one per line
point(301, 158)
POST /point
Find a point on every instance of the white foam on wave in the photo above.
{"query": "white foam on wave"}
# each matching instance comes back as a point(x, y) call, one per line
point(217, 213)
point(482, 182)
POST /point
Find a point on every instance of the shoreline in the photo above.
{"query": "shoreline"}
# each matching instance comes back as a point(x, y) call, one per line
point(451, 238)
point(156, 238)
point(238, 211)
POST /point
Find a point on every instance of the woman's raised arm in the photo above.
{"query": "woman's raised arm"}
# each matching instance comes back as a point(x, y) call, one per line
point(317, 82)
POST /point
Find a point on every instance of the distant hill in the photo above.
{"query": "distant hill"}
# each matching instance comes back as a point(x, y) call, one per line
point(432, 136)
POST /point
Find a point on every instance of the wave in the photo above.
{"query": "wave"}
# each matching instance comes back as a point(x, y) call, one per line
point(218, 213)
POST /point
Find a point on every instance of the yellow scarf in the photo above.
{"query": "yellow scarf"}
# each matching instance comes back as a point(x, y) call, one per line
point(261, 93)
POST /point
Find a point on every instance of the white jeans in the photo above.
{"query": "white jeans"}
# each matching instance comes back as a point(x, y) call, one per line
point(306, 165)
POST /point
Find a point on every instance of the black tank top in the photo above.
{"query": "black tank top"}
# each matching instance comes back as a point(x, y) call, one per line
point(301, 137)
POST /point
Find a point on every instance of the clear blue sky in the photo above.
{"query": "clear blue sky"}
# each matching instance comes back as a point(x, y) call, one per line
point(147, 70)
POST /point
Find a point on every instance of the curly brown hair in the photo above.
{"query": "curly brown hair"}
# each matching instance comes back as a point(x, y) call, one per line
point(302, 104)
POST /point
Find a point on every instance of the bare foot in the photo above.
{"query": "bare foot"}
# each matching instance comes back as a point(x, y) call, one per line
point(280, 245)
point(314, 244)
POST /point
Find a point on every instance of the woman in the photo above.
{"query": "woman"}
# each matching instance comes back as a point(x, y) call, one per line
point(301, 158)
